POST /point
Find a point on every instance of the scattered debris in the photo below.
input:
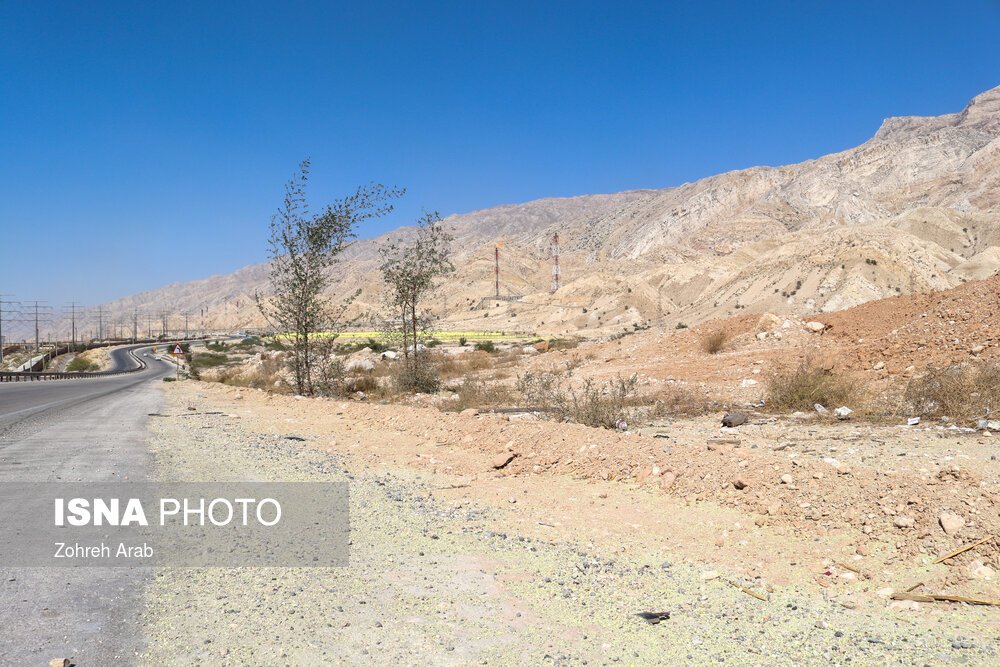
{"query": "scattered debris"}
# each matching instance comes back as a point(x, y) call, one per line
point(842, 411)
point(653, 617)
point(913, 421)
point(916, 597)
point(820, 409)
point(964, 549)
point(748, 591)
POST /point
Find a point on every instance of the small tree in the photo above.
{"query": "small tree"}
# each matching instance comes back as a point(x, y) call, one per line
point(411, 272)
point(301, 247)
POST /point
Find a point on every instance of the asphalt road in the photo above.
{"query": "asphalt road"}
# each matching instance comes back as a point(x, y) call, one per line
point(73, 431)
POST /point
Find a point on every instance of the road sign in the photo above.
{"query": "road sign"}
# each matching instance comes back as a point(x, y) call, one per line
point(178, 352)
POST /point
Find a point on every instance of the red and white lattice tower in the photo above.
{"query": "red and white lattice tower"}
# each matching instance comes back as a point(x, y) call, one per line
point(555, 262)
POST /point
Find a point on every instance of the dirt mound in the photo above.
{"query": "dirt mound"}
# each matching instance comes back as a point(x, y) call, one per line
point(921, 330)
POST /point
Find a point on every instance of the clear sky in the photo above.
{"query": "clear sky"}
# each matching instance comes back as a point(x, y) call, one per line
point(147, 143)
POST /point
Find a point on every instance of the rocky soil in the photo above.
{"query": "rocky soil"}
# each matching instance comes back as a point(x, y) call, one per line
point(478, 540)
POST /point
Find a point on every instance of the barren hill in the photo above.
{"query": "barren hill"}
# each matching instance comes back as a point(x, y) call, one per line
point(916, 208)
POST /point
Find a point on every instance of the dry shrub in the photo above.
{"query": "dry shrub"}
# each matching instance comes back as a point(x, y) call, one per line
point(675, 401)
point(809, 384)
point(474, 392)
point(963, 393)
point(713, 342)
point(592, 404)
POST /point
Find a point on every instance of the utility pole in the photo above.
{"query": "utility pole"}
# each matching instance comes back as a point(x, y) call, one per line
point(100, 323)
point(2, 302)
point(38, 306)
point(185, 325)
point(72, 315)
point(135, 325)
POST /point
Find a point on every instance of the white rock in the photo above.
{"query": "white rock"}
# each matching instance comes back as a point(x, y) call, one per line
point(903, 522)
point(786, 479)
point(815, 326)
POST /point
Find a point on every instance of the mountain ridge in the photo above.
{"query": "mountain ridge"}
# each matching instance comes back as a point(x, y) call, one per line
point(914, 208)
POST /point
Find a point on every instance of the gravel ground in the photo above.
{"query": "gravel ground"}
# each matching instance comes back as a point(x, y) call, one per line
point(449, 583)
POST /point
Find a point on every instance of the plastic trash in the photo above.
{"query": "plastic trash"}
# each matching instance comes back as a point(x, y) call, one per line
point(913, 421)
point(842, 411)
point(820, 409)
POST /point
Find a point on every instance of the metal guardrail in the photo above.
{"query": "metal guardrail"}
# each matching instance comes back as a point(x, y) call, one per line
point(35, 376)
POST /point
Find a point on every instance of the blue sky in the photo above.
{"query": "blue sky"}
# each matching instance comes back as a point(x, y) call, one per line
point(147, 143)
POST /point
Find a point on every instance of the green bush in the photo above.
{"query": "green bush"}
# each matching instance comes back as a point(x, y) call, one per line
point(486, 346)
point(81, 365)
point(461, 341)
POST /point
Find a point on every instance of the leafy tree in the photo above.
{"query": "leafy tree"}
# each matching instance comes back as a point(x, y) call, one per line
point(411, 271)
point(302, 246)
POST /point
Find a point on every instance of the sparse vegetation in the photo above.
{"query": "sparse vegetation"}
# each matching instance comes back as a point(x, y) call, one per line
point(807, 385)
point(411, 272)
point(714, 341)
point(964, 393)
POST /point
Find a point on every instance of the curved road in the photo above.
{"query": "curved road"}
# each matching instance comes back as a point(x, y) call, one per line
point(88, 429)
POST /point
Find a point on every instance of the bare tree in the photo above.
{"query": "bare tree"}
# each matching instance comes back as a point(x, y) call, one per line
point(411, 272)
point(302, 246)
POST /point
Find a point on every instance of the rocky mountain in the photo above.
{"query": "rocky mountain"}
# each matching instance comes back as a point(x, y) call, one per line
point(915, 208)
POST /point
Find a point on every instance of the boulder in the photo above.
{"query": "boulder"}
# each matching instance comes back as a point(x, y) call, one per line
point(733, 420)
point(502, 459)
point(951, 523)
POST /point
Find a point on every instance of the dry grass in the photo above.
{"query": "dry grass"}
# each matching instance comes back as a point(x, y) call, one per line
point(964, 393)
point(807, 385)
point(713, 342)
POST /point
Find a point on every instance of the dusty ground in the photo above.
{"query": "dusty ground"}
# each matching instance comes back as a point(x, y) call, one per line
point(548, 558)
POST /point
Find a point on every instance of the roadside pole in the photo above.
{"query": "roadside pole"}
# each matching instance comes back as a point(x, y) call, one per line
point(178, 353)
